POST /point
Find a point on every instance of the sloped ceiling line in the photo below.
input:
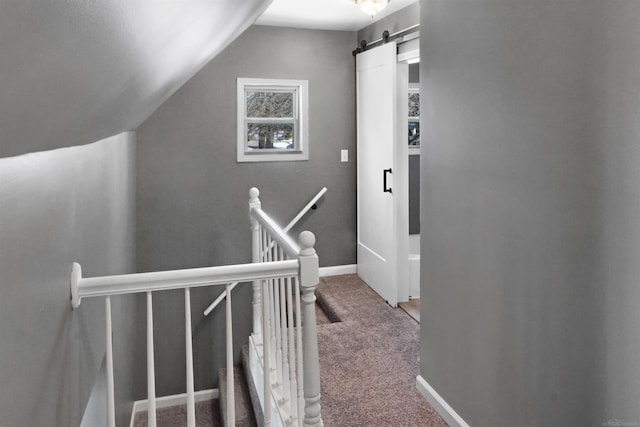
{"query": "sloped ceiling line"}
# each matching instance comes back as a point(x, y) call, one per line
point(74, 72)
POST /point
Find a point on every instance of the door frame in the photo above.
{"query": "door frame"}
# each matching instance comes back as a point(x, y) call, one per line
point(402, 166)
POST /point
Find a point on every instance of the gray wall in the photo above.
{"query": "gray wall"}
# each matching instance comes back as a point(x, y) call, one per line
point(192, 195)
point(398, 21)
point(82, 71)
point(531, 210)
point(57, 207)
point(414, 170)
point(414, 194)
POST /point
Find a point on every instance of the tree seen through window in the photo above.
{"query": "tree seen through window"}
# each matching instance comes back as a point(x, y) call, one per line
point(271, 119)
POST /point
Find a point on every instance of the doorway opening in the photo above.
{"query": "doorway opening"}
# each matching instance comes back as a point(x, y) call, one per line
point(412, 306)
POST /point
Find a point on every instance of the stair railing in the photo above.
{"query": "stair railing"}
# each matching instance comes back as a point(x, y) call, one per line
point(300, 268)
point(293, 222)
point(284, 345)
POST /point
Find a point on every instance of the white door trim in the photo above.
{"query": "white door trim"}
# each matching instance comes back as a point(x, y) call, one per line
point(401, 165)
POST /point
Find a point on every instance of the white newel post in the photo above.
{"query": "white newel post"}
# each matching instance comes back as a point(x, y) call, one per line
point(309, 278)
point(254, 202)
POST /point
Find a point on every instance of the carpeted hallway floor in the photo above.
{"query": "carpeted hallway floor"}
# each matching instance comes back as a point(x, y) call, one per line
point(368, 359)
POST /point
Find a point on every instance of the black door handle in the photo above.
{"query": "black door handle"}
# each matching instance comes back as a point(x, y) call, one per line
point(384, 180)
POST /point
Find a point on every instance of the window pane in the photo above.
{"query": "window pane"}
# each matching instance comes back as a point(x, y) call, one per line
point(270, 136)
point(269, 104)
point(414, 104)
point(414, 134)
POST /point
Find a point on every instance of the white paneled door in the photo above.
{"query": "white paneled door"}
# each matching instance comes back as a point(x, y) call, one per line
point(376, 82)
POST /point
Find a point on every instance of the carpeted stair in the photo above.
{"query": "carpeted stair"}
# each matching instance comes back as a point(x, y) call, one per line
point(244, 410)
point(209, 413)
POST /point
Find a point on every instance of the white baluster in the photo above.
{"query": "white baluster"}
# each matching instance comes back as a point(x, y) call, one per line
point(266, 353)
point(292, 357)
point(265, 242)
point(309, 282)
point(254, 202)
point(275, 359)
point(272, 316)
point(111, 407)
point(300, 370)
point(151, 375)
point(283, 336)
point(277, 327)
point(231, 407)
point(191, 404)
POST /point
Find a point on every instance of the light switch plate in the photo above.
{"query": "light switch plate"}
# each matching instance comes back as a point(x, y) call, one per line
point(344, 155)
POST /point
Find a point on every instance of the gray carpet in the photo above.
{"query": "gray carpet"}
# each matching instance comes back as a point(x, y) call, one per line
point(244, 412)
point(368, 360)
point(207, 415)
point(368, 363)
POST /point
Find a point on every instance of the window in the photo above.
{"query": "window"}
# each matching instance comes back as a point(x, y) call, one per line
point(414, 119)
point(272, 120)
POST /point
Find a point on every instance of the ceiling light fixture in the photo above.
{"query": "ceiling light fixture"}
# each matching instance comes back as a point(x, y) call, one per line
point(371, 7)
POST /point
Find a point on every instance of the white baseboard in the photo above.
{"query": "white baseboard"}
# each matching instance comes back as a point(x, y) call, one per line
point(173, 400)
point(439, 404)
point(337, 270)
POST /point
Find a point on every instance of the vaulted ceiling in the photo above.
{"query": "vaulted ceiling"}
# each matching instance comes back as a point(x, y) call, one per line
point(76, 71)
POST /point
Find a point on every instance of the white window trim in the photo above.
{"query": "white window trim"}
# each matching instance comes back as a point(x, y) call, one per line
point(302, 152)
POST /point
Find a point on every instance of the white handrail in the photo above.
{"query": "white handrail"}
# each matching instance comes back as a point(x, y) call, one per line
point(290, 247)
point(304, 210)
point(174, 279)
point(218, 300)
point(289, 226)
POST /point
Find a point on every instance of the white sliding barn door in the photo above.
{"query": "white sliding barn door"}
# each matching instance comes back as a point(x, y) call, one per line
point(376, 84)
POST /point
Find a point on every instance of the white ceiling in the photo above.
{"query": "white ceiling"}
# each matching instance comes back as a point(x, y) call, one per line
point(343, 15)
